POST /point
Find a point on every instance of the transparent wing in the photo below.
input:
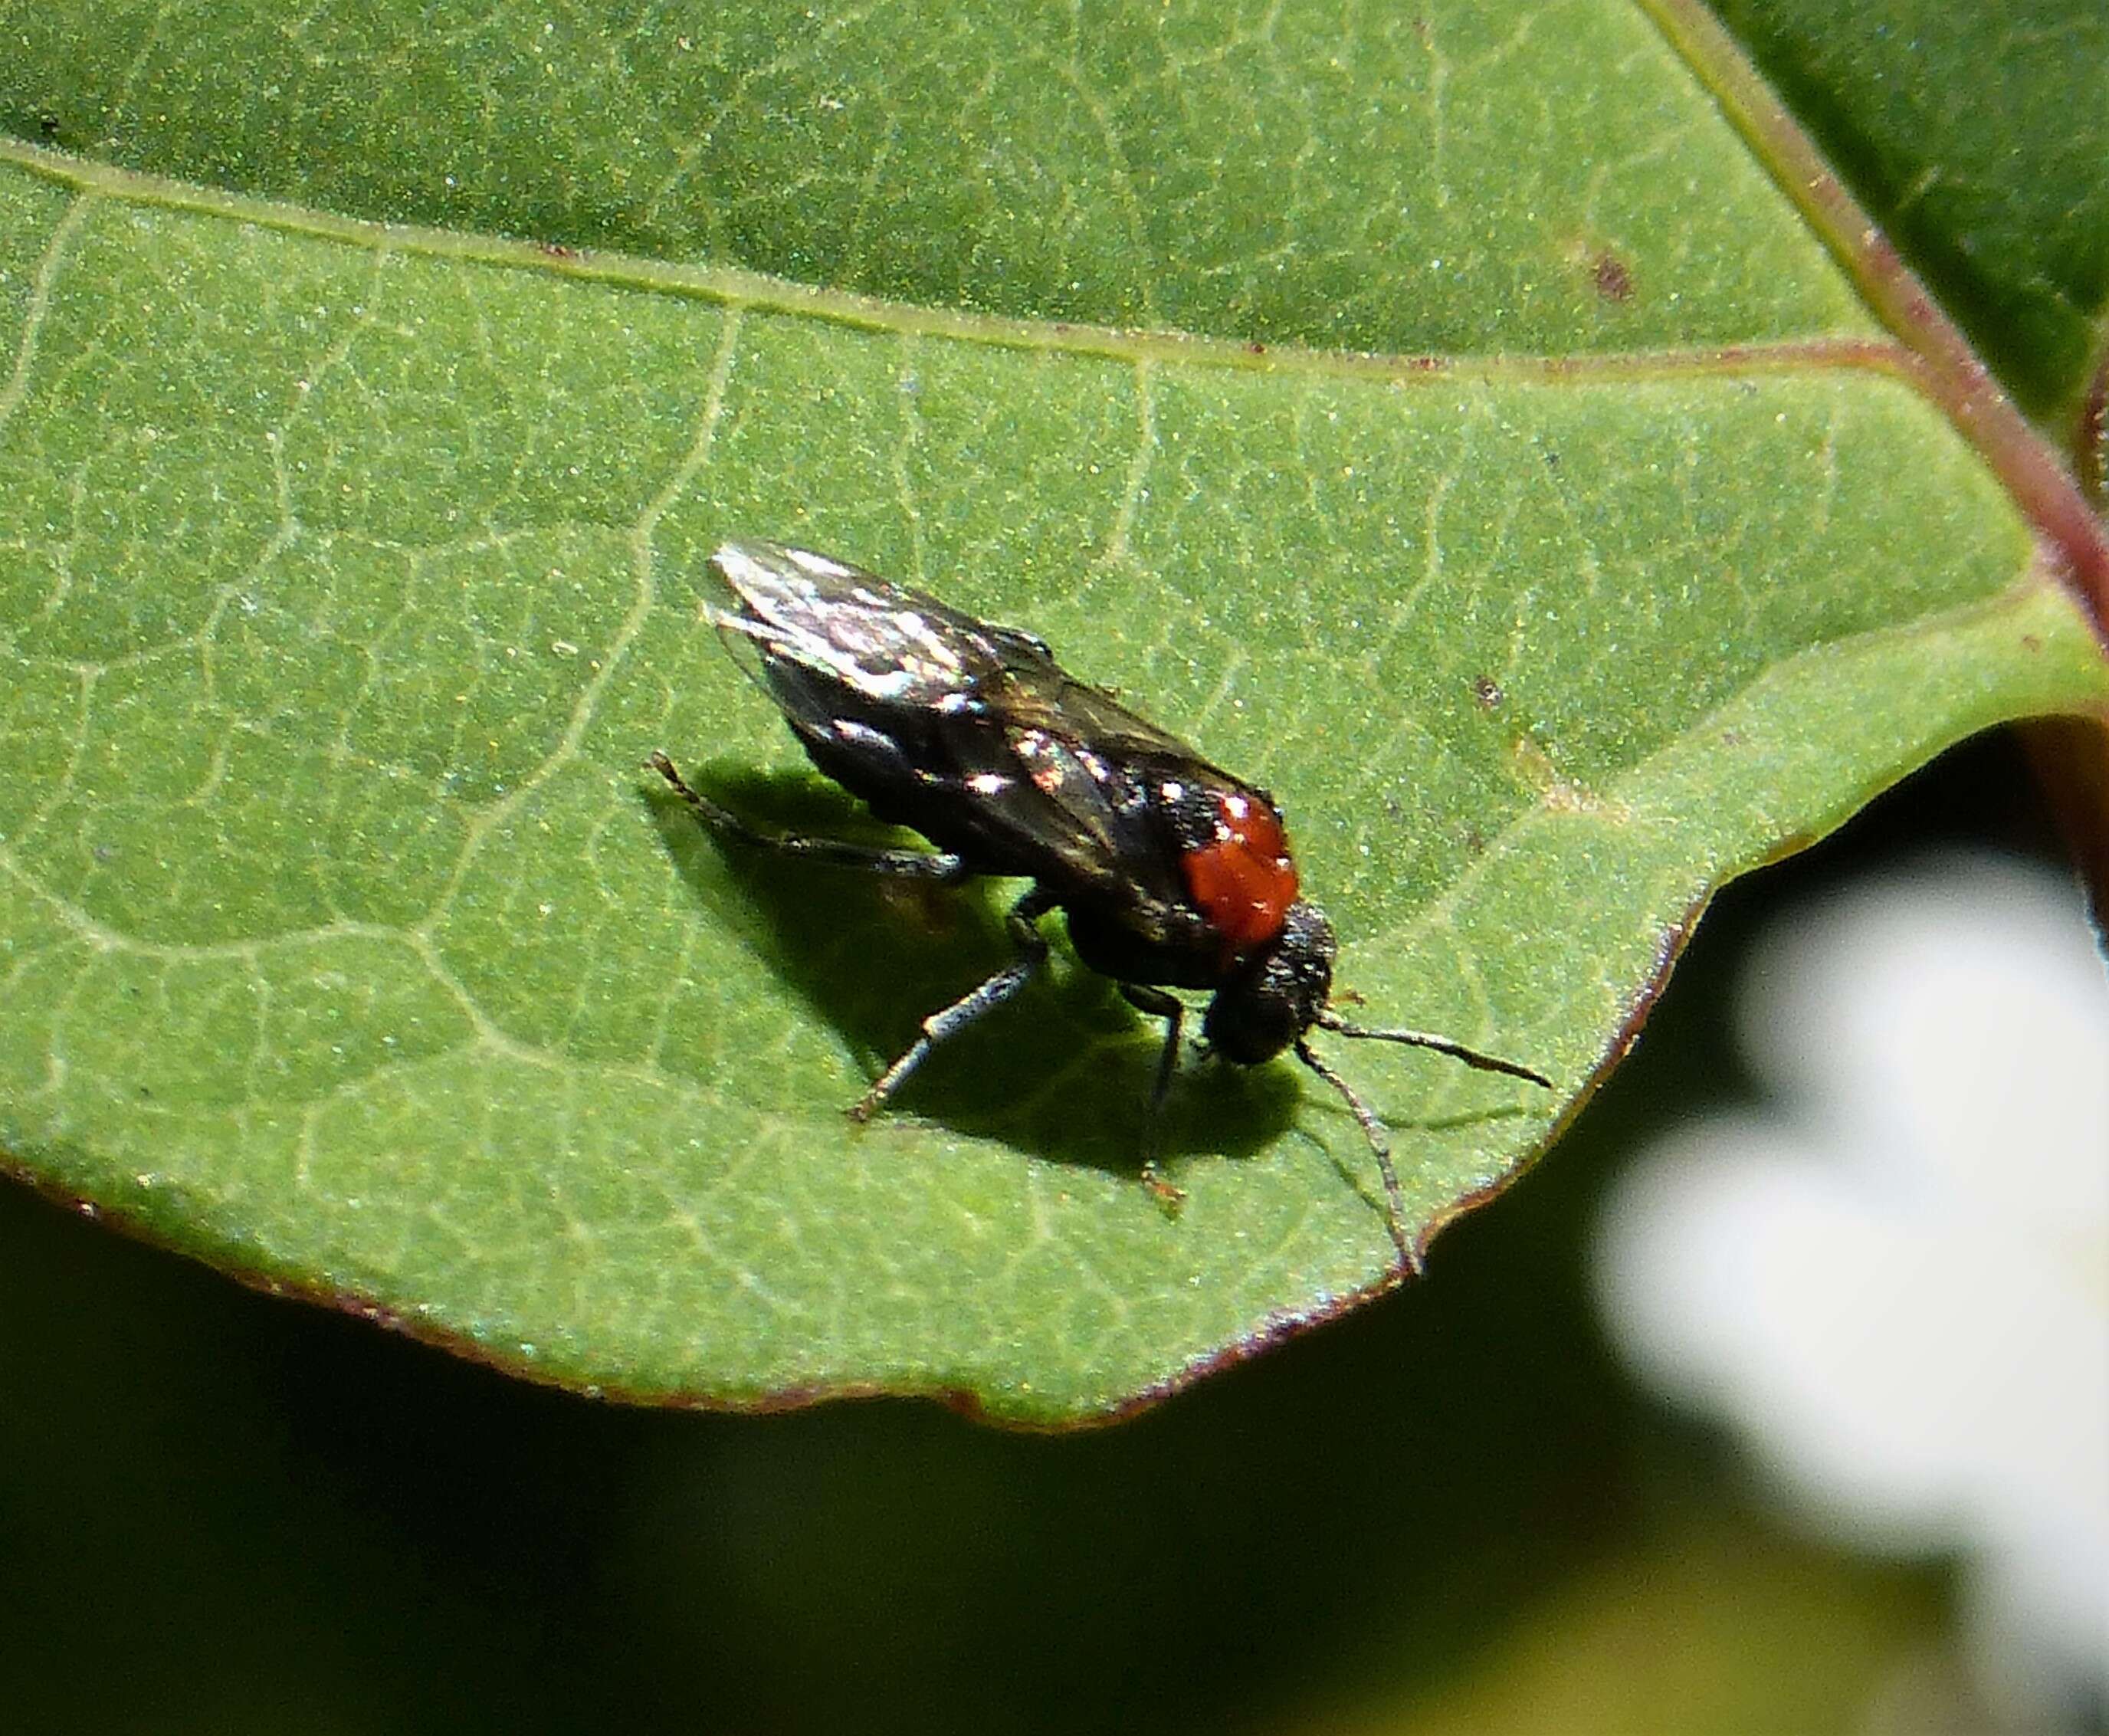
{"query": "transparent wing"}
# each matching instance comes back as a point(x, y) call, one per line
point(892, 644)
point(1044, 766)
point(880, 641)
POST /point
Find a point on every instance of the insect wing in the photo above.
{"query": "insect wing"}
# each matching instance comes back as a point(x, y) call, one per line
point(883, 642)
point(1115, 772)
point(969, 717)
point(1092, 717)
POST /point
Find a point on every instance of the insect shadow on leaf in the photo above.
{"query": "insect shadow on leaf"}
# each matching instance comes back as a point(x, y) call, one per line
point(1058, 1073)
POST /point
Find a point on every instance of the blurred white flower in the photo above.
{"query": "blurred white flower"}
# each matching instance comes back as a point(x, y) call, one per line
point(1894, 1284)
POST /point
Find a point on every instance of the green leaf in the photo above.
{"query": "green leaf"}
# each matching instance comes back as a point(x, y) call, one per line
point(1455, 178)
point(1976, 134)
point(348, 573)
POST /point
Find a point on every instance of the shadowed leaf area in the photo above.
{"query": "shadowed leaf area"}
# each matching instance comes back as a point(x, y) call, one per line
point(346, 579)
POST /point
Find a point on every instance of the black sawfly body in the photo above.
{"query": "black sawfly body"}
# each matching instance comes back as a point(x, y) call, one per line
point(1171, 872)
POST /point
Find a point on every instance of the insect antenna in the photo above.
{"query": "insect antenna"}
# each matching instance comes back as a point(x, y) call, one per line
point(1373, 1130)
point(1394, 1200)
point(1332, 1021)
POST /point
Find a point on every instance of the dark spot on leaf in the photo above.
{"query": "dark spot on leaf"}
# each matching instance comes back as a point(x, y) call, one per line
point(2031, 642)
point(1615, 281)
point(1487, 691)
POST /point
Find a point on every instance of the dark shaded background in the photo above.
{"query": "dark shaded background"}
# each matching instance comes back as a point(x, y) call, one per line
point(1450, 1511)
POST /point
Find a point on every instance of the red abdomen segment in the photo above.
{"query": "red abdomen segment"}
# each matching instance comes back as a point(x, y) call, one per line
point(1244, 881)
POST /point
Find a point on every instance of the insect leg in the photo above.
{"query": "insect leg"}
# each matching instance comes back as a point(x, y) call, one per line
point(920, 864)
point(1394, 1200)
point(1171, 1010)
point(1023, 923)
